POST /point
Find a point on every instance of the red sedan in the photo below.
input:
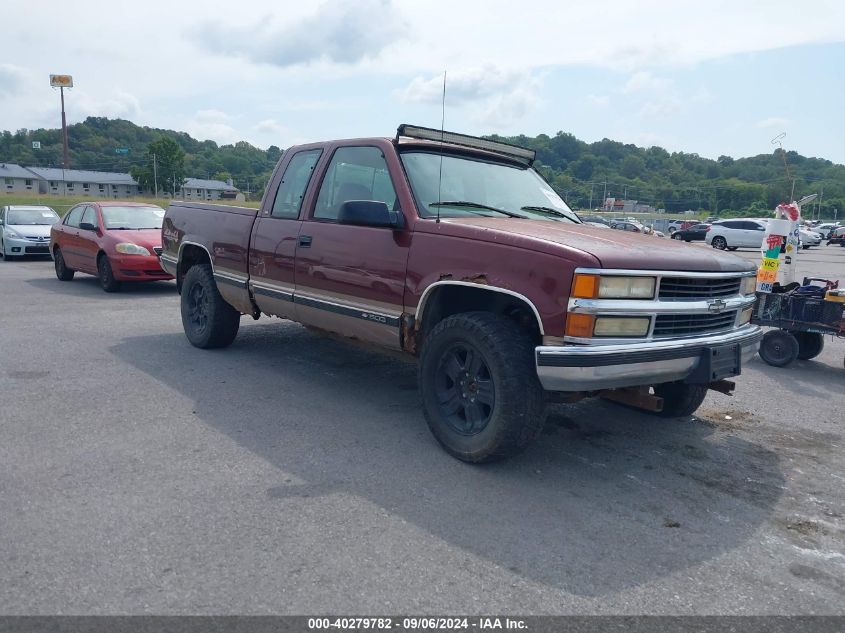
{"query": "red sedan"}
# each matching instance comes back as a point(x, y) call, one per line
point(116, 241)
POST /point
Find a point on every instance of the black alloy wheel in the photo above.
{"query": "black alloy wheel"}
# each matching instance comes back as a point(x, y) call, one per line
point(465, 390)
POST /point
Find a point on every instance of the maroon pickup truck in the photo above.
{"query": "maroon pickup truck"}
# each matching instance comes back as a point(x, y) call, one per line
point(453, 249)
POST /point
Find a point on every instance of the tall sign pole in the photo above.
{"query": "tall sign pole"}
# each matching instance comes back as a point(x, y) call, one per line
point(61, 82)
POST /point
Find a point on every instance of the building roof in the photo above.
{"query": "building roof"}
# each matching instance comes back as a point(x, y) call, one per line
point(78, 175)
point(198, 183)
point(8, 170)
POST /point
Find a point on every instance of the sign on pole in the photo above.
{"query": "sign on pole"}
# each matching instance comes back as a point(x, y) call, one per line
point(61, 81)
point(121, 150)
point(36, 144)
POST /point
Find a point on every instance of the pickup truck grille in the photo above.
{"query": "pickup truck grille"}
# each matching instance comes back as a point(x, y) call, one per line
point(692, 324)
point(698, 288)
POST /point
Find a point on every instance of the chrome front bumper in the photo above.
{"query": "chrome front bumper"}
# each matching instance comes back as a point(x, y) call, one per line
point(594, 367)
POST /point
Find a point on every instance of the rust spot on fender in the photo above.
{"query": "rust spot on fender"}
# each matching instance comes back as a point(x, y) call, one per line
point(481, 279)
point(408, 333)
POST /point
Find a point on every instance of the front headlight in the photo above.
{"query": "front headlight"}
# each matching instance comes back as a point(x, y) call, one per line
point(610, 287)
point(748, 285)
point(621, 326)
point(131, 249)
point(12, 233)
point(745, 316)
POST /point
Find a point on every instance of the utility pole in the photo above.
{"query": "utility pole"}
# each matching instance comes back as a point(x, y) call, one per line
point(592, 184)
point(65, 159)
point(819, 205)
point(155, 174)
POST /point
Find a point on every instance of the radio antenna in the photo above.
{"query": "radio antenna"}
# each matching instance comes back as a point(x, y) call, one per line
point(442, 128)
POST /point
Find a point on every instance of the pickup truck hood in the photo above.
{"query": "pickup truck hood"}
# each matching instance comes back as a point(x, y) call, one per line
point(612, 248)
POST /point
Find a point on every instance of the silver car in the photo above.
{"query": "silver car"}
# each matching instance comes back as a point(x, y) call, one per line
point(25, 230)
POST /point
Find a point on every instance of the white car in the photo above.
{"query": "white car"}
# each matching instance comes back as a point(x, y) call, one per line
point(734, 234)
point(25, 230)
point(809, 238)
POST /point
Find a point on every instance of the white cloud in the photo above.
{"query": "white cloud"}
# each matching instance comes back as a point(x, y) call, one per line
point(214, 125)
point(497, 96)
point(338, 31)
point(599, 101)
point(11, 79)
point(774, 121)
point(270, 126)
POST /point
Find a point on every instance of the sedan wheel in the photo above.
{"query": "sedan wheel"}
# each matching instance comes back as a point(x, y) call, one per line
point(720, 242)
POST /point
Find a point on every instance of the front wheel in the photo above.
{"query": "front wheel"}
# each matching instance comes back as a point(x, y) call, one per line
point(106, 275)
point(480, 393)
point(679, 399)
point(778, 348)
point(719, 242)
point(62, 271)
point(676, 236)
point(209, 321)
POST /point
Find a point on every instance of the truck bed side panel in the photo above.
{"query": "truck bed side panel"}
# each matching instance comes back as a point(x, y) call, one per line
point(223, 232)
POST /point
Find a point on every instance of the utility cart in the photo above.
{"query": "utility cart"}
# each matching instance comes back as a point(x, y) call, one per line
point(802, 317)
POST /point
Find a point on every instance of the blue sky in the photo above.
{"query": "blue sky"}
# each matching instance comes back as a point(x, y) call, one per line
point(720, 79)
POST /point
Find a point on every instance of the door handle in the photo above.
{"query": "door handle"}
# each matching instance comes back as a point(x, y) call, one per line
point(304, 241)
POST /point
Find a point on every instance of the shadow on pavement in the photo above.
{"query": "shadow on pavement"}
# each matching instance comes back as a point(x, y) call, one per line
point(89, 287)
point(607, 499)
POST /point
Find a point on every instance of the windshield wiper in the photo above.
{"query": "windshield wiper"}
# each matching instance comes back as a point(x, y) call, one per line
point(477, 205)
point(549, 210)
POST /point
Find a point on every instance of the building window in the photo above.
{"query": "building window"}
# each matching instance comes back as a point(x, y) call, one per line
point(53, 184)
point(70, 186)
point(85, 186)
point(114, 188)
point(9, 183)
point(102, 188)
point(28, 183)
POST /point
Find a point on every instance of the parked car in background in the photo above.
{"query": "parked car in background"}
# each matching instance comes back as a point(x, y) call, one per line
point(679, 225)
point(837, 237)
point(599, 225)
point(116, 241)
point(734, 234)
point(25, 230)
point(595, 219)
point(809, 238)
point(826, 230)
point(633, 227)
point(695, 233)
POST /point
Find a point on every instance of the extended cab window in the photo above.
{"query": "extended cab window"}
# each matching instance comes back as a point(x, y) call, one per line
point(355, 173)
point(294, 183)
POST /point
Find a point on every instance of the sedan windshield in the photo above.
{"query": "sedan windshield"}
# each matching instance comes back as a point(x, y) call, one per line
point(128, 218)
point(471, 187)
point(32, 216)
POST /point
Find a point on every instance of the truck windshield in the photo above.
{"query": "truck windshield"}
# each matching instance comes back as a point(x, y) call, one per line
point(480, 188)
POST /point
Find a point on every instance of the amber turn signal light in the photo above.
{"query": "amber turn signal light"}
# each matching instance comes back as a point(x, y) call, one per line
point(580, 325)
point(585, 286)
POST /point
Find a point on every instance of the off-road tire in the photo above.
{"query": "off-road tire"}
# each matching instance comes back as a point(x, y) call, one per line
point(517, 412)
point(62, 271)
point(679, 399)
point(778, 348)
point(105, 274)
point(719, 242)
point(209, 321)
point(810, 344)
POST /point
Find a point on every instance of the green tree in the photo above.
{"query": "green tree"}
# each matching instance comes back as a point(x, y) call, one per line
point(221, 175)
point(164, 167)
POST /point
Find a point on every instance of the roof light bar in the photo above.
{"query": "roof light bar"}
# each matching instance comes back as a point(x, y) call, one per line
point(522, 154)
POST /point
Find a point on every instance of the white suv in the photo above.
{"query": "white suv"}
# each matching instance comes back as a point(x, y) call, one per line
point(734, 234)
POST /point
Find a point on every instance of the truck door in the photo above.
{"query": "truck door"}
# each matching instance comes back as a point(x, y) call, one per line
point(351, 279)
point(273, 245)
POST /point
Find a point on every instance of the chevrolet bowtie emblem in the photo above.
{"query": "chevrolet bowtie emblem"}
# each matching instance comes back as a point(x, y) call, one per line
point(715, 307)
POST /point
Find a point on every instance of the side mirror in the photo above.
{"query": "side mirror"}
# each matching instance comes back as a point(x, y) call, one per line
point(87, 226)
point(367, 213)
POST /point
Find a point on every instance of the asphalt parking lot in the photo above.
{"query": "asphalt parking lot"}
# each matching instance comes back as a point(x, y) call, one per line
point(294, 473)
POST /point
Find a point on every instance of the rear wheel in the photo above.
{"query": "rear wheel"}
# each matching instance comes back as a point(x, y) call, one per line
point(480, 393)
point(106, 275)
point(679, 399)
point(62, 271)
point(209, 321)
point(810, 344)
point(719, 242)
point(778, 348)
